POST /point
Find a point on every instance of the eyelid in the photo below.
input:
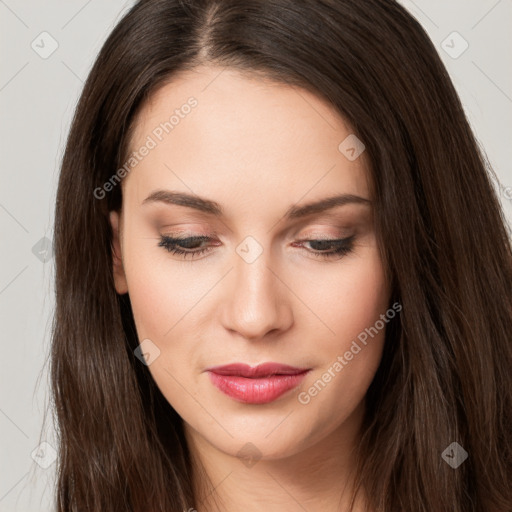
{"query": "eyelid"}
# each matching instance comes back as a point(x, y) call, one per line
point(300, 234)
point(317, 234)
point(330, 219)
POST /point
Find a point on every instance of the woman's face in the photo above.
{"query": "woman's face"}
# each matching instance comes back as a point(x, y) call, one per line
point(236, 163)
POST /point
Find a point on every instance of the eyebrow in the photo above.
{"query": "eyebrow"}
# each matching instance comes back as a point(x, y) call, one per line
point(213, 208)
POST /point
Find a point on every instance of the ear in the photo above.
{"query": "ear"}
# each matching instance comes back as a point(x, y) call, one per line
point(117, 261)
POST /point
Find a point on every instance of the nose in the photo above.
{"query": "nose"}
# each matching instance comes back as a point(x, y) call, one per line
point(257, 299)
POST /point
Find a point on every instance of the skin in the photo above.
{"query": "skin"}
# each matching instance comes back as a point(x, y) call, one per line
point(256, 148)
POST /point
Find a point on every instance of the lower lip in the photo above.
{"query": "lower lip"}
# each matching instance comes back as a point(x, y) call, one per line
point(256, 391)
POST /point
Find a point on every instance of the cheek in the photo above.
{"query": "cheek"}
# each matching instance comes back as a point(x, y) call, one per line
point(350, 305)
point(160, 291)
point(352, 296)
point(151, 302)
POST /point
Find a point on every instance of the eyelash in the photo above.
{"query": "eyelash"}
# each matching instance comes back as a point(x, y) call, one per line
point(343, 246)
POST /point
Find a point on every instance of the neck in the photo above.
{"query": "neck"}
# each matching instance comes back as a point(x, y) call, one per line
point(316, 476)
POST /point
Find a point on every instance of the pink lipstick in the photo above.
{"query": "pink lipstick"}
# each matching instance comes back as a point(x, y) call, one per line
point(256, 385)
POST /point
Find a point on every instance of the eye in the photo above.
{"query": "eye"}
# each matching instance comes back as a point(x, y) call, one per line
point(339, 247)
point(184, 246)
point(191, 246)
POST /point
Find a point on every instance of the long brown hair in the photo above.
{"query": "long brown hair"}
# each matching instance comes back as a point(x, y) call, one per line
point(445, 375)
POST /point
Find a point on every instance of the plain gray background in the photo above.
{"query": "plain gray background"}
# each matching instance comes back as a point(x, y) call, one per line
point(38, 92)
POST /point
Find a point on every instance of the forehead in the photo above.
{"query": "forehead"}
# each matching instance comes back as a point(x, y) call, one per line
point(215, 130)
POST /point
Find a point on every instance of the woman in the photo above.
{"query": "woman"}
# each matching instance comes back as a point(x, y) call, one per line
point(283, 276)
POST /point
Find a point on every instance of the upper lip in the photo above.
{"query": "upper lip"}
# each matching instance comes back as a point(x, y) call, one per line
point(262, 370)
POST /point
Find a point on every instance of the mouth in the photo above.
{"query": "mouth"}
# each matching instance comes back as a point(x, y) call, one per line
point(256, 385)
